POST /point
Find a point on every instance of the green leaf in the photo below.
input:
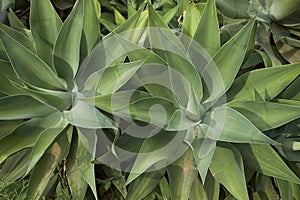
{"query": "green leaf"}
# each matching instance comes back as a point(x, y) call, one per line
point(228, 169)
point(203, 150)
point(265, 160)
point(33, 128)
point(11, 108)
point(119, 19)
point(14, 167)
point(55, 99)
point(191, 20)
point(14, 21)
point(292, 92)
point(86, 116)
point(91, 27)
point(197, 190)
point(29, 66)
point(8, 126)
point(45, 139)
point(45, 25)
point(285, 189)
point(182, 173)
point(262, 81)
point(265, 188)
point(18, 37)
point(144, 184)
point(66, 53)
point(76, 181)
point(86, 154)
point(179, 121)
point(157, 150)
point(220, 73)
point(44, 169)
point(226, 124)
point(235, 9)
point(6, 75)
point(266, 115)
point(110, 79)
point(212, 187)
point(208, 33)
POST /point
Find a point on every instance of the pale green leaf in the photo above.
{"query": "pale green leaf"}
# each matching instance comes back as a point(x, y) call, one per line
point(265, 160)
point(191, 20)
point(228, 169)
point(268, 82)
point(226, 124)
point(11, 108)
point(144, 184)
point(66, 54)
point(45, 25)
point(44, 169)
point(208, 33)
point(182, 173)
point(33, 128)
point(91, 28)
point(266, 115)
point(220, 73)
point(45, 139)
point(29, 66)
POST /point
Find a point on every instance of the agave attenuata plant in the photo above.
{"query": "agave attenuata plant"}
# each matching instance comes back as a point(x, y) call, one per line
point(162, 113)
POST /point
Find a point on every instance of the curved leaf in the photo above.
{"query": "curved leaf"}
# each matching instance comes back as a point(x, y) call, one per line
point(228, 169)
point(22, 107)
point(29, 66)
point(267, 82)
point(226, 124)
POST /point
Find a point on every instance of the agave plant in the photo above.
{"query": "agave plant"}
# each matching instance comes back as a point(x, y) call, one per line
point(146, 112)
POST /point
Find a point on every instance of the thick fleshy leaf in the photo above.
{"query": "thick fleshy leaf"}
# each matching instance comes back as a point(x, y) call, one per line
point(265, 160)
point(55, 99)
point(15, 167)
point(264, 187)
point(91, 27)
point(44, 169)
point(235, 9)
point(208, 33)
point(268, 83)
point(158, 150)
point(228, 169)
point(45, 140)
point(212, 187)
point(45, 25)
point(13, 19)
point(220, 73)
point(11, 108)
point(29, 66)
point(144, 184)
point(77, 184)
point(8, 126)
point(66, 53)
point(191, 20)
point(86, 154)
point(203, 150)
point(292, 92)
point(179, 122)
point(266, 115)
point(285, 188)
point(86, 116)
point(110, 79)
point(19, 37)
point(182, 174)
point(6, 75)
point(197, 190)
point(33, 128)
point(226, 124)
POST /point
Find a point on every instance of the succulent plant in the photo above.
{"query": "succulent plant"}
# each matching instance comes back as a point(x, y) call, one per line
point(145, 112)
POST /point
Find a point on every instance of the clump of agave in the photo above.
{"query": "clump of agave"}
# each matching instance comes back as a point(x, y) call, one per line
point(146, 111)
